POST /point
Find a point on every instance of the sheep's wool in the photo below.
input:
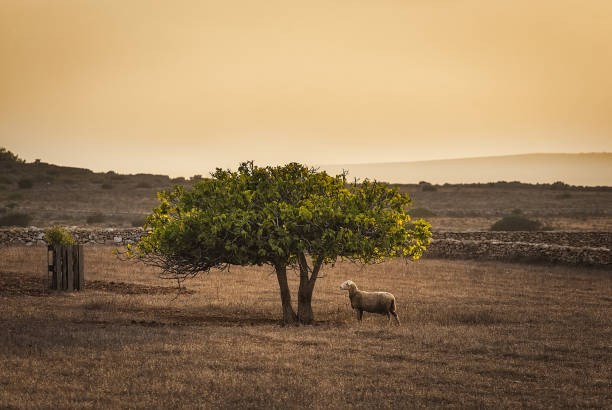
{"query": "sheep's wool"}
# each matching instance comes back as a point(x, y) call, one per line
point(346, 284)
point(373, 302)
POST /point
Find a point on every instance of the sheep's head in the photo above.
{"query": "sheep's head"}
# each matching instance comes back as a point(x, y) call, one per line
point(348, 285)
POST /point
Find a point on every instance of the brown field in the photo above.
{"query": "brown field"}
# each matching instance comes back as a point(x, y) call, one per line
point(473, 334)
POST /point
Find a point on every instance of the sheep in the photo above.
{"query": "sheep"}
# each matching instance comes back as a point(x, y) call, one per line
point(373, 302)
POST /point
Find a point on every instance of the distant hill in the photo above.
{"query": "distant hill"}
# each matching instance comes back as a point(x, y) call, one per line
point(42, 194)
point(575, 169)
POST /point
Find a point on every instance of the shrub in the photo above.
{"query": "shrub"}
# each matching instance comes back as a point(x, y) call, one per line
point(107, 186)
point(137, 222)
point(143, 185)
point(98, 217)
point(15, 219)
point(421, 213)
point(559, 185)
point(25, 183)
point(57, 235)
point(427, 187)
point(6, 155)
point(516, 223)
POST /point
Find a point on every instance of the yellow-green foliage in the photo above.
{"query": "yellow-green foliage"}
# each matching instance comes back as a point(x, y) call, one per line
point(57, 235)
point(271, 215)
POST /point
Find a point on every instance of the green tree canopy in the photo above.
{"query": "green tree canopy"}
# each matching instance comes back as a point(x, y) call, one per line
point(287, 217)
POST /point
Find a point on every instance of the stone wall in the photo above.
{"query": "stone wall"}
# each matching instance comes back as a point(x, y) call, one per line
point(577, 239)
point(576, 248)
point(518, 252)
point(35, 236)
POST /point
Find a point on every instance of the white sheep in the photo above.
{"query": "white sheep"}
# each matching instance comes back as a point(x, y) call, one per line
point(373, 302)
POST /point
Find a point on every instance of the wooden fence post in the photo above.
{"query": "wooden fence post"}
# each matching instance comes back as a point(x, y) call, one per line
point(57, 261)
point(67, 269)
point(81, 267)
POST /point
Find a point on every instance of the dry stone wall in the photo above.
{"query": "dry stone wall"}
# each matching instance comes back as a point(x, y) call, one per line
point(576, 239)
point(35, 236)
point(576, 248)
point(518, 252)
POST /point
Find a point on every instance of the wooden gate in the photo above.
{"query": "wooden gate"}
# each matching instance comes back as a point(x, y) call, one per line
point(66, 267)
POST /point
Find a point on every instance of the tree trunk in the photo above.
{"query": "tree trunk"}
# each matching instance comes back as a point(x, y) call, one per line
point(307, 285)
point(305, 314)
point(289, 316)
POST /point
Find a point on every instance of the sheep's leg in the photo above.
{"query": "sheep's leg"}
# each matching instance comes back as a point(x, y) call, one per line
point(396, 317)
point(359, 314)
point(388, 318)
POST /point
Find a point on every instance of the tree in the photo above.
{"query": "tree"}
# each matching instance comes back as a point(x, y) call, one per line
point(289, 217)
point(6, 155)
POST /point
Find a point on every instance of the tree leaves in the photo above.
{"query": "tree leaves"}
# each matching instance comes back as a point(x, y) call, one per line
point(270, 215)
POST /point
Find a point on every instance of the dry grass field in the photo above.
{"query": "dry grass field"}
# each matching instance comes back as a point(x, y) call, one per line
point(473, 334)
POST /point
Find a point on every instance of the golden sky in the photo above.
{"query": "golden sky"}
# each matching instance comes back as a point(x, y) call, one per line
point(180, 87)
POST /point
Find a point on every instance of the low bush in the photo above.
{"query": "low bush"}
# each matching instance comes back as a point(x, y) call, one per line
point(25, 183)
point(107, 186)
point(427, 187)
point(421, 213)
point(516, 222)
point(8, 156)
point(57, 235)
point(143, 185)
point(15, 219)
point(137, 222)
point(98, 217)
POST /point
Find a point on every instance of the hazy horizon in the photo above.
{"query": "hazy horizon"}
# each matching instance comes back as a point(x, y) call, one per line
point(183, 87)
point(587, 169)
